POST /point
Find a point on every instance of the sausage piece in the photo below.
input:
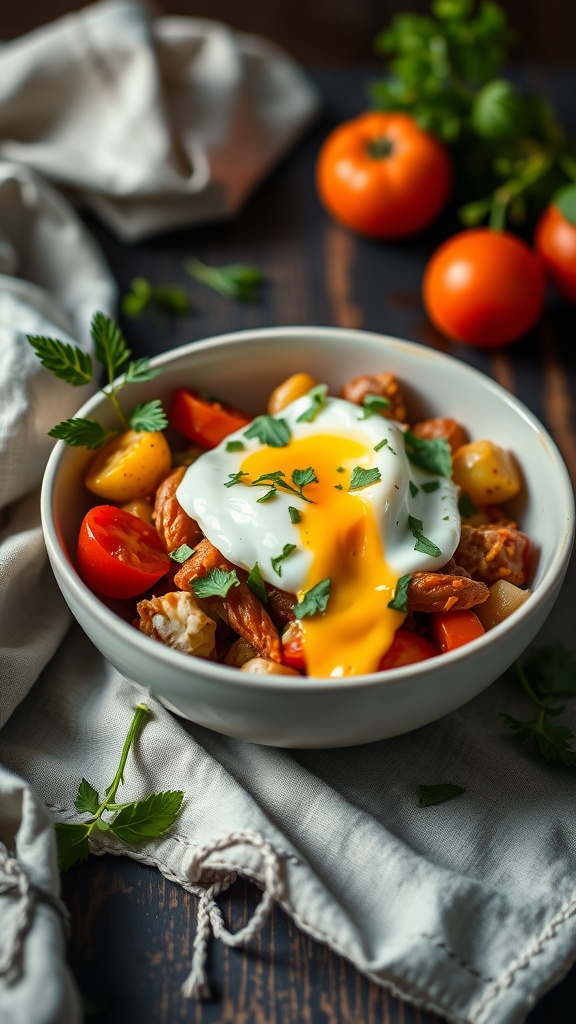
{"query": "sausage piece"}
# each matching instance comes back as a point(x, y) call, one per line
point(444, 592)
point(383, 384)
point(491, 552)
point(174, 525)
point(441, 427)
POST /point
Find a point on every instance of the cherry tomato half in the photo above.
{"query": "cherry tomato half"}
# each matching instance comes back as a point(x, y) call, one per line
point(454, 629)
point(119, 555)
point(555, 242)
point(407, 648)
point(206, 423)
point(382, 175)
point(484, 287)
point(293, 647)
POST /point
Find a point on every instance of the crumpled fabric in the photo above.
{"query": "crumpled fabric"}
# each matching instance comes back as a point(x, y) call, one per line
point(153, 122)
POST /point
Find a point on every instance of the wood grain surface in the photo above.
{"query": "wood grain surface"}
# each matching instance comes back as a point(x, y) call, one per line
point(132, 930)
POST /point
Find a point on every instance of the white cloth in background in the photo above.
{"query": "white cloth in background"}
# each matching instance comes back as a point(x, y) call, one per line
point(155, 123)
point(468, 908)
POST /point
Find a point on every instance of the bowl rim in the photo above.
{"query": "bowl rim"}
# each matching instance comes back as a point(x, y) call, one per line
point(109, 620)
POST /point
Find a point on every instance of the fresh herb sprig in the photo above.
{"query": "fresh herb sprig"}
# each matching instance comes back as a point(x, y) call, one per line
point(71, 364)
point(548, 674)
point(234, 281)
point(142, 295)
point(445, 69)
point(135, 822)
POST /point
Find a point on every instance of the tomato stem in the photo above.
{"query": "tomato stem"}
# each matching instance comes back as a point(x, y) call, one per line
point(380, 148)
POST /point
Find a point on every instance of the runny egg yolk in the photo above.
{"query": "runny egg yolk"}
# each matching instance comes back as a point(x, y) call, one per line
point(340, 529)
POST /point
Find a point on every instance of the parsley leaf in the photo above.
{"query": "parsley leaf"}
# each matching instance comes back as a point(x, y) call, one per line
point(413, 489)
point(302, 477)
point(234, 478)
point(294, 514)
point(139, 371)
point(552, 671)
point(317, 396)
point(269, 430)
point(432, 455)
point(430, 795)
point(234, 281)
point(400, 600)
point(384, 443)
point(72, 844)
point(276, 562)
point(266, 497)
point(550, 740)
point(67, 362)
point(215, 583)
point(87, 799)
point(423, 544)
point(374, 405)
point(234, 446)
point(314, 600)
point(168, 297)
point(79, 432)
point(149, 818)
point(256, 583)
point(149, 416)
point(110, 346)
point(429, 487)
point(182, 553)
point(363, 478)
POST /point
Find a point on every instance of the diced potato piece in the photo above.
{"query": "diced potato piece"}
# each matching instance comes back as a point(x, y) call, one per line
point(486, 472)
point(262, 666)
point(288, 391)
point(129, 466)
point(141, 508)
point(239, 653)
point(503, 599)
point(177, 620)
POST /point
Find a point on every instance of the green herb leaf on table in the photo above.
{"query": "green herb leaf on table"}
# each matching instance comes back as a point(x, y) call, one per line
point(400, 600)
point(269, 430)
point(255, 582)
point(170, 298)
point(78, 432)
point(278, 559)
point(552, 741)
point(233, 281)
point(314, 600)
point(215, 583)
point(147, 819)
point(87, 799)
point(363, 478)
point(149, 416)
point(428, 796)
point(552, 671)
point(67, 362)
point(317, 396)
point(434, 455)
point(72, 846)
point(547, 673)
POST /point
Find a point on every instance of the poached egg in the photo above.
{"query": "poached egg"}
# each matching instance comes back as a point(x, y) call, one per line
point(337, 500)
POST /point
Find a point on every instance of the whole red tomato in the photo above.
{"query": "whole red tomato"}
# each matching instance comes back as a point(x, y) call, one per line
point(555, 242)
point(484, 287)
point(383, 176)
point(119, 555)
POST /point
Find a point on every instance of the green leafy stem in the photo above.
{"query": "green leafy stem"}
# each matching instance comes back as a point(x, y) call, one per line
point(135, 822)
point(549, 673)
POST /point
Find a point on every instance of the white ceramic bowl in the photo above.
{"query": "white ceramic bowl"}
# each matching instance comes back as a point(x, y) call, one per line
point(287, 711)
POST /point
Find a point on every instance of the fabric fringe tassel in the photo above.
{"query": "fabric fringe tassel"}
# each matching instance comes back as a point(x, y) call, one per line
point(209, 917)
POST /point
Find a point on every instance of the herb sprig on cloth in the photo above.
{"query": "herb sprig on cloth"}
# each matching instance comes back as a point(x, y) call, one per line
point(548, 674)
point(75, 366)
point(133, 823)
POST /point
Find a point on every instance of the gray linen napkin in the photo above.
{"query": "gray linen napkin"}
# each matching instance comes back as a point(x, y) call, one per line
point(468, 908)
point(155, 123)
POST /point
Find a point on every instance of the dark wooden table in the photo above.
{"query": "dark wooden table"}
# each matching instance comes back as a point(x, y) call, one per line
point(132, 930)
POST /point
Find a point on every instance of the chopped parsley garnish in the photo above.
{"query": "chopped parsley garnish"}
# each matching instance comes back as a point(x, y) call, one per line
point(430, 795)
point(431, 486)
point(181, 554)
point(314, 600)
point(466, 507)
point(277, 561)
point(266, 497)
point(256, 583)
point(317, 396)
point(215, 583)
point(340, 469)
point(432, 455)
point(269, 430)
point(413, 489)
point(234, 478)
point(294, 514)
point(234, 446)
point(363, 477)
point(300, 477)
point(400, 600)
point(338, 487)
point(373, 405)
point(423, 544)
point(384, 443)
